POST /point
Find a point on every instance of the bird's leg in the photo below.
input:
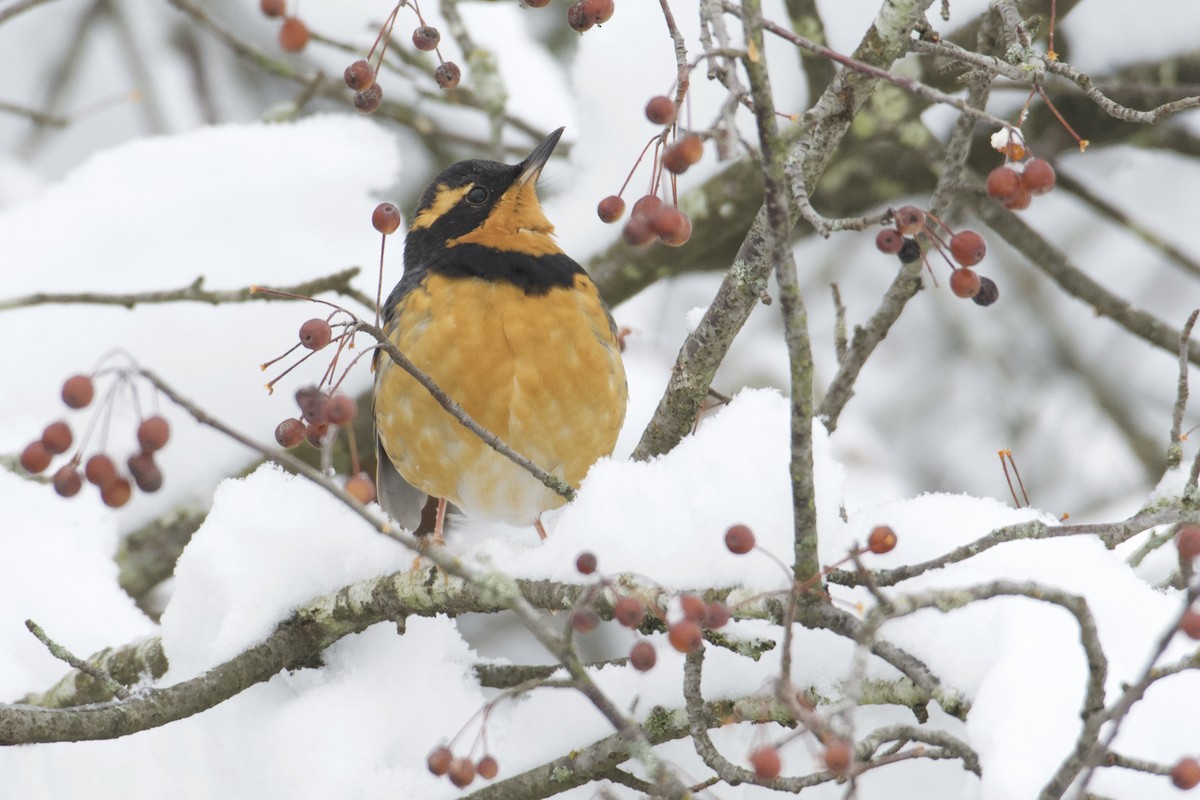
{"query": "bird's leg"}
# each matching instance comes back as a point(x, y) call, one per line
point(438, 538)
point(537, 523)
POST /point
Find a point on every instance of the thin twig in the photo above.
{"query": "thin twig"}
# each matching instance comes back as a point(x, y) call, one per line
point(1175, 442)
point(63, 654)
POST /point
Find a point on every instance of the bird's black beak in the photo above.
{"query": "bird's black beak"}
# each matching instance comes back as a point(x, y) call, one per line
point(531, 167)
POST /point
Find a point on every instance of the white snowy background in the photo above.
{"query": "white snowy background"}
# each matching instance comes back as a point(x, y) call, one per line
point(106, 206)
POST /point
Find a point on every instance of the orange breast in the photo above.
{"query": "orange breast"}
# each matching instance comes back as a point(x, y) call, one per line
point(543, 373)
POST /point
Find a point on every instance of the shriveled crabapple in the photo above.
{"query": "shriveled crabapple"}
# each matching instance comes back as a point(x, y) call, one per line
point(289, 433)
point(369, 99)
point(988, 292)
point(426, 38)
point(909, 219)
point(360, 75)
point(340, 409)
point(447, 75)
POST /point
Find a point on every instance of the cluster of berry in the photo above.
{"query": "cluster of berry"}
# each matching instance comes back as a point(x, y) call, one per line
point(652, 218)
point(1014, 184)
point(461, 771)
point(293, 33)
point(966, 247)
point(100, 470)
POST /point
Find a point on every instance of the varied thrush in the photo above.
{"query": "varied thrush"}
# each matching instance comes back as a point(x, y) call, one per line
point(512, 329)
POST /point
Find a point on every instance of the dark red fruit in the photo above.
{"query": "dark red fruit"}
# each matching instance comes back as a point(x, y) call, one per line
point(577, 19)
point(586, 563)
point(359, 76)
point(67, 481)
point(909, 219)
point(597, 11)
point(385, 218)
point(487, 768)
point(838, 755)
point(889, 240)
point(116, 493)
point(629, 612)
point(35, 457)
point(610, 208)
point(882, 539)
point(968, 248)
point(1038, 176)
point(57, 437)
point(1020, 201)
point(584, 620)
point(739, 539)
point(766, 763)
point(1189, 623)
point(369, 99)
point(293, 35)
point(447, 75)
point(289, 433)
point(643, 656)
point(645, 207)
point(910, 251)
point(461, 772)
point(685, 636)
point(273, 8)
point(683, 154)
point(312, 402)
point(1187, 541)
point(361, 488)
point(100, 470)
point(716, 615)
point(78, 391)
point(668, 221)
point(680, 238)
point(315, 334)
point(965, 282)
point(145, 472)
point(660, 110)
point(693, 607)
point(439, 760)
point(1186, 773)
point(153, 433)
point(426, 38)
point(340, 409)
point(1003, 184)
point(988, 292)
point(315, 433)
point(637, 232)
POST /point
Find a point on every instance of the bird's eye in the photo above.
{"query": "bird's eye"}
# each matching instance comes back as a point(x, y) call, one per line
point(477, 196)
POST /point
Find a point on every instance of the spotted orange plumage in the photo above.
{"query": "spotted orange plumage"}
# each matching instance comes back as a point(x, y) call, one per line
point(514, 331)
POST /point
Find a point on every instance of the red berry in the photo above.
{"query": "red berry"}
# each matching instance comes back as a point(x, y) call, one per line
point(598, 11)
point(629, 612)
point(361, 488)
point(369, 99)
point(1187, 541)
point(340, 409)
point(685, 636)
point(385, 218)
point(683, 154)
point(668, 221)
point(637, 232)
point(716, 615)
point(968, 248)
point(439, 760)
point(67, 481)
point(1038, 176)
point(643, 656)
point(1190, 623)
point(447, 75)
point(577, 19)
point(586, 563)
point(988, 293)
point(145, 472)
point(739, 539)
point(660, 110)
point(426, 38)
point(57, 437)
point(1020, 201)
point(289, 433)
point(315, 433)
point(100, 470)
point(680, 237)
point(35, 457)
point(360, 75)
point(909, 219)
point(1003, 184)
point(487, 768)
point(882, 539)
point(889, 240)
point(293, 35)
point(645, 207)
point(766, 763)
point(838, 755)
point(584, 620)
point(965, 282)
point(78, 391)
point(315, 334)
point(117, 493)
point(693, 607)
point(153, 433)
point(272, 8)
point(610, 208)
point(1186, 773)
point(461, 772)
